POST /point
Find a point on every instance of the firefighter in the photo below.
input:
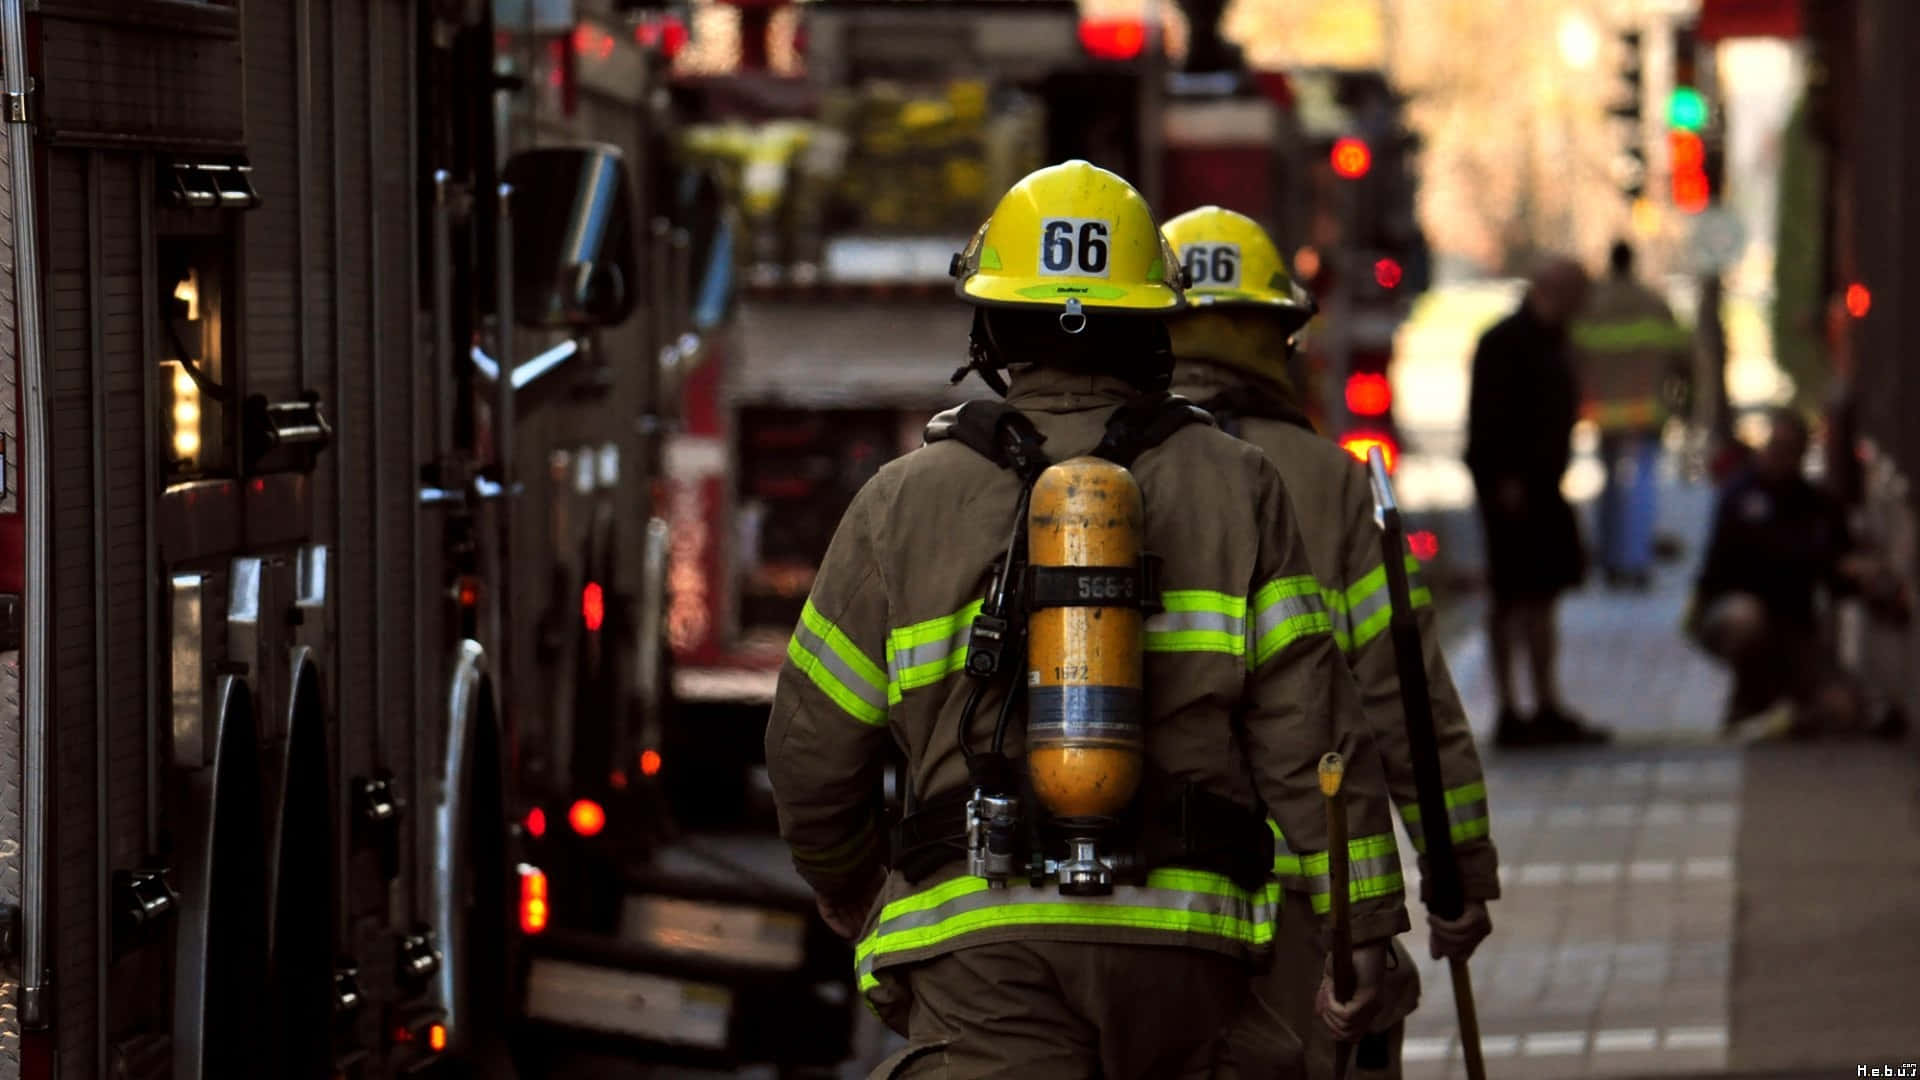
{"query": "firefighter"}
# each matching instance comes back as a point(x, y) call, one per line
point(1630, 349)
point(1233, 343)
point(996, 943)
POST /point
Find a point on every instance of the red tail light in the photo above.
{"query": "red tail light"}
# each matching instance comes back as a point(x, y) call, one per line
point(650, 762)
point(587, 817)
point(536, 823)
point(437, 1037)
point(1113, 39)
point(593, 606)
point(1369, 393)
point(1424, 545)
point(533, 899)
point(1361, 443)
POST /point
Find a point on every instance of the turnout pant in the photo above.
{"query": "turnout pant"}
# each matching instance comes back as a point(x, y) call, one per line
point(1628, 504)
point(1068, 1011)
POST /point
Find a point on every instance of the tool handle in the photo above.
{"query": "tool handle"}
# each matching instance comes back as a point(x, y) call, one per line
point(1469, 1018)
point(1445, 896)
point(1332, 773)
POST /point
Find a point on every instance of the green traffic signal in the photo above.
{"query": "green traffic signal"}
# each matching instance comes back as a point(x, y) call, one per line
point(1686, 109)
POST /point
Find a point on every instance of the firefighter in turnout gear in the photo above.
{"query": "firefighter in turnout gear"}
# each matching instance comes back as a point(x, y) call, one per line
point(1144, 609)
point(1232, 345)
point(1630, 350)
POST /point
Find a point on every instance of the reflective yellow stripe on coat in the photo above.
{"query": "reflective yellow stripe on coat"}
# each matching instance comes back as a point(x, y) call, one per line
point(1466, 815)
point(1176, 902)
point(1373, 869)
point(1361, 611)
point(834, 664)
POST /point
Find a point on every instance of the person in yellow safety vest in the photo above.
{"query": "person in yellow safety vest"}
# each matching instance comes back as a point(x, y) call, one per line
point(1242, 688)
point(1231, 346)
point(1629, 349)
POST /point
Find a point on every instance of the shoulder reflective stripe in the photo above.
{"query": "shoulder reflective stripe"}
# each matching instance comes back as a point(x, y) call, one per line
point(842, 856)
point(1284, 611)
point(1198, 620)
point(1620, 336)
point(831, 660)
point(1366, 608)
point(927, 652)
point(1467, 817)
point(1174, 901)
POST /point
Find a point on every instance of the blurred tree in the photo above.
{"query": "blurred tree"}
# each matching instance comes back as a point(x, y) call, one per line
point(1800, 293)
point(1517, 140)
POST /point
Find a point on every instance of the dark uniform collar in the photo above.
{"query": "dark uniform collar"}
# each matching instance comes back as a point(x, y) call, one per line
point(1046, 389)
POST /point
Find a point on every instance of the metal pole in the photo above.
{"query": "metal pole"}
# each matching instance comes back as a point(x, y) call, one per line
point(35, 1005)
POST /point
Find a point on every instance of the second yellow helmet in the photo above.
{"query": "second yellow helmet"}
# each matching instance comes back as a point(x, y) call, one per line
point(1232, 262)
point(1071, 232)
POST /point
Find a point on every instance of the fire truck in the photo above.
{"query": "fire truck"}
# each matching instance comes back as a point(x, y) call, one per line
point(860, 179)
point(327, 427)
point(650, 932)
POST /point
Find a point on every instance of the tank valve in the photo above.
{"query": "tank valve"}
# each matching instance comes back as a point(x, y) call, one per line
point(993, 823)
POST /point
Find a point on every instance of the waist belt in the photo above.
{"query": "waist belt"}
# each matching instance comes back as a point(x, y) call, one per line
point(1184, 825)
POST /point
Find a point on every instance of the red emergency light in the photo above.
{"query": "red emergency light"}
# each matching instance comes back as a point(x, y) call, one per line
point(536, 823)
point(437, 1038)
point(1859, 300)
point(1386, 273)
point(669, 35)
point(1369, 393)
point(1351, 158)
point(1113, 39)
point(592, 41)
point(650, 762)
point(587, 817)
point(533, 899)
point(1361, 443)
point(593, 606)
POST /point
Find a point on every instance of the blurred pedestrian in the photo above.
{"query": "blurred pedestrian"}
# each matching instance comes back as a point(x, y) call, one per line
point(1520, 420)
point(1630, 350)
point(1776, 540)
point(1231, 349)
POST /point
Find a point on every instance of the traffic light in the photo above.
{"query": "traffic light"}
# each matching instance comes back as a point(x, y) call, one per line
point(1688, 117)
point(1631, 167)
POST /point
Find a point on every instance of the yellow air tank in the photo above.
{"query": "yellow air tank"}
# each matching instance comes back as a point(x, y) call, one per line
point(1086, 742)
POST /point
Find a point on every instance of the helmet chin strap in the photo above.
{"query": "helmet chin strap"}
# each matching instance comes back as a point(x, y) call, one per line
point(981, 349)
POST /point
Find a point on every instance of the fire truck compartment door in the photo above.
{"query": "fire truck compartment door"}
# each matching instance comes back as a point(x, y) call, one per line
point(222, 943)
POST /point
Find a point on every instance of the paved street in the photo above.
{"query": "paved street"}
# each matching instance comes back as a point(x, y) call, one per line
point(1647, 922)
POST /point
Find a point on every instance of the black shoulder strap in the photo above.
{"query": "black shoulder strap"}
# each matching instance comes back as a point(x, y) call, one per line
point(994, 430)
point(1229, 406)
point(1144, 423)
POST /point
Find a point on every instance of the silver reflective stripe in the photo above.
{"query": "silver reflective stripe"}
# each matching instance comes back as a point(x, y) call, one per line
point(1175, 621)
point(1287, 607)
point(855, 683)
point(928, 652)
point(1357, 870)
point(1141, 907)
point(1375, 602)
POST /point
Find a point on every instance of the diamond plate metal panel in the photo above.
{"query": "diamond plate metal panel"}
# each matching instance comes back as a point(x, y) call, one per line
point(10, 834)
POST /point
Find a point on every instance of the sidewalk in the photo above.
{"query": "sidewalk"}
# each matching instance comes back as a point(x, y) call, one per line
point(1675, 905)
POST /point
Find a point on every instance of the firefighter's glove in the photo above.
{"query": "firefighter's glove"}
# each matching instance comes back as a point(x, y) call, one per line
point(1459, 937)
point(846, 912)
point(1351, 1019)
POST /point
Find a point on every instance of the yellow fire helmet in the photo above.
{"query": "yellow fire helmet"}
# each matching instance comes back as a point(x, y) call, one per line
point(1232, 262)
point(1071, 236)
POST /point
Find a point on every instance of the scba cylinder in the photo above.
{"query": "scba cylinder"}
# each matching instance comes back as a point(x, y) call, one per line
point(1086, 742)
